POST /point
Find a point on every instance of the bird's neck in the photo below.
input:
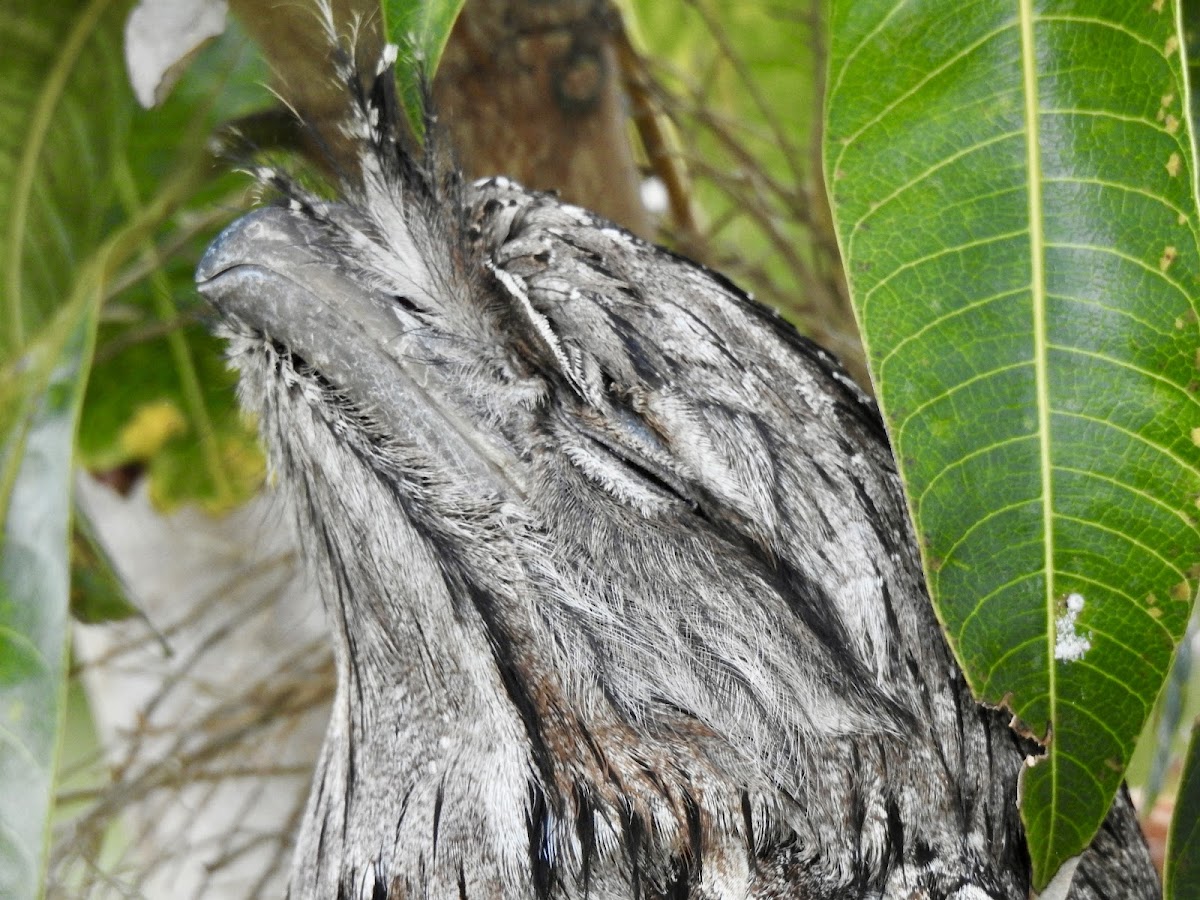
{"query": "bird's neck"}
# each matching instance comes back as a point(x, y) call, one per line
point(424, 778)
point(425, 773)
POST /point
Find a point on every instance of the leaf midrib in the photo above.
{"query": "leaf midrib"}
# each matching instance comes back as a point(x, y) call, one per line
point(1037, 241)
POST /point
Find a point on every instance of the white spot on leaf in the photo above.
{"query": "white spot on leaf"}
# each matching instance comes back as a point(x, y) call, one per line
point(1069, 644)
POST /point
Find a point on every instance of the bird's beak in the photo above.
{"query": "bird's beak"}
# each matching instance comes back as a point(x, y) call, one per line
point(271, 273)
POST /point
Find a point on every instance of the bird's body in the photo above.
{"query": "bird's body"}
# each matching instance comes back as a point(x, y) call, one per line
point(622, 590)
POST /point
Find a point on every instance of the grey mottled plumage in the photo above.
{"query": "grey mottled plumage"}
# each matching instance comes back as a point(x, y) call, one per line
point(622, 590)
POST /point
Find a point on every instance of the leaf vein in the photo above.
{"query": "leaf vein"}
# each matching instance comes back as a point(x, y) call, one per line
point(1121, 364)
point(1089, 523)
point(7, 737)
point(1165, 333)
point(1112, 251)
point(1103, 726)
point(930, 257)
point(979, 451)
point(905, 95)
point(920, 177)
point(1118, 186)
point(954, 389)
point(992, 594)
point(1084, 664)
point(1139, 655)
point(1145, 495)
point(12, 636)
point(837, 81)
point(1104, 23)
point(1166, 451)
point(983, 520)
point(1011, 651)
point(945, 317)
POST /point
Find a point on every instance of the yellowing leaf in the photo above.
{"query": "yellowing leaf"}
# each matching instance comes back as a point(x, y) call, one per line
point(152, 425)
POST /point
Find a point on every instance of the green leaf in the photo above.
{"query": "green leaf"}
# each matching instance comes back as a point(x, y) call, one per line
point(1013, 187)
point(1191, 38)
point(1181, 874)
point(420, 29)
point(33, 616)
point(97, 594)
point(63, 111)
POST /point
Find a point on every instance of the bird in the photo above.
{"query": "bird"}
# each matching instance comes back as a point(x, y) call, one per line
point(622, 590)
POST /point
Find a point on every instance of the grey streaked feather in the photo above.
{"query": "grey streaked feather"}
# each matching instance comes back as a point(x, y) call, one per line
point(620, 579)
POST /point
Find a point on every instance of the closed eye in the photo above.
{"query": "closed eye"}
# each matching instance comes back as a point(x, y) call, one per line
point(642, 471)
point(409, 306)
point(627, 474)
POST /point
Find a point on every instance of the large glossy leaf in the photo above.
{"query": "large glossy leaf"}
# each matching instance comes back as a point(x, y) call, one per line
point(1013, 186)
point(66, 113)
point(1181, 874)
point(78, 162)
point(420, 29)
